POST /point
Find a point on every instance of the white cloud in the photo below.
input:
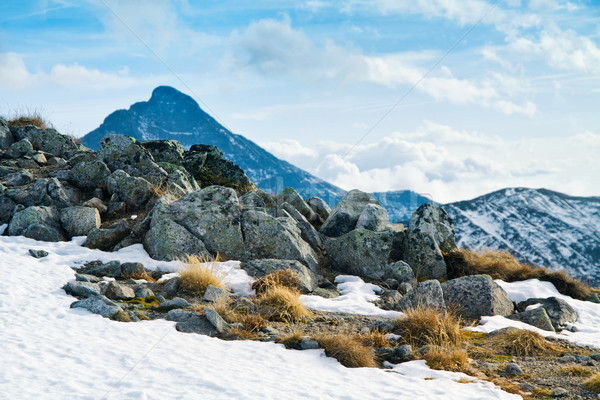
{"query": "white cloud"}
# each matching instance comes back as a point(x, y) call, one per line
point(289, 149)
point(508, 107)
point(14, 72)
point(76, 75)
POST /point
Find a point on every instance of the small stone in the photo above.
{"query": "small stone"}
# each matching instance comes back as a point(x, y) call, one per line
point(131, 269)
point(196, 324)
point(143, 292)
point(176, 302)
point(38, 253)
point(39, 158)
point(568, 358)
point(560, 392)
point(82, 289)
point(116, 291)
point(179, 315)
point(595, 357)
point(214, 293)
point(526, 387)
point(269, 330)
point(215, 319)
point(308, 344)
point(513, 369)
point(87, 278)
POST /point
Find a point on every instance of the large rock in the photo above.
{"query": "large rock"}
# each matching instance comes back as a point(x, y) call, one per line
point(373, 218)
point(167, 240)
point(89, 174)
point(7, 208)
point(291, 197)
point(134, 191)
point(62, 194)
point(259, 268)
point(425, 294)
point(559, 311)
point(99, 305)
point(19, 178)
point(78, 221)
point(165, 151)
point(212, 215)
point(474, 296)
point(180, 183)
point(47, 140)
point(39, 223)
point(6, 138)
point(430, 233)
point(320, 207)
point(361, 252)
point(82, 289)
point(279, 238)
point(106, 239)
point(308, 232)
point(537, 317)
point(19, 149)
point(120, 151)
point(345, 215)
point(260, 201)
point(116, 291)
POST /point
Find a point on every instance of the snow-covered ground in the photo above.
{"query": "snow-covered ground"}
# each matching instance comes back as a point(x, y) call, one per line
point(50, 351)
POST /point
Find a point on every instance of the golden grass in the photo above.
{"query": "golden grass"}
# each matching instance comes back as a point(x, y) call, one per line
point(284, 303)
point(502, 265)
point(542, 392)
point(374, 339)
point(199, 273)
point(577, 370)
point(447, 359)
point(592, 383)
point(252, 322)
point(429, 326)
point(291, 341)
point(139, 275)
point(29, 118)
point(348, 350)
point(284, 277)
point(521, 342)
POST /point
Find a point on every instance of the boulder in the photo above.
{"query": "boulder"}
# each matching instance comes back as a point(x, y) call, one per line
point(7, 207)
point(216, 320)
point(6, 138)
point(62, 194)
point(320, 207)
point(558, 310)
point(424, 294)
point(180, 183)
point(373, 218)
point(308, 233)
point(130, 269)
point(47, 140)
point(19, 149)
point(134, 191)
point(291, 197)
point(167, 240)
point(119, 151)
point(361, 252)
point(111, 269)
point(99, 305)
point(260, 268)
point(176, 302)
point(537, 317)
point(89, 174)
point(106, 239)
point(345, 215)
point(39, 223)
point(40, 158)
point(17, 179)
point(82, 289)
point(196, 324)
point(116, 291)
point(430, 233)
point(214, 293)
point(474, 296)
point(401, 272)
point(259, 201)
point(78, 221)
point(395, 355)
point(165, 151)
point(278, 238)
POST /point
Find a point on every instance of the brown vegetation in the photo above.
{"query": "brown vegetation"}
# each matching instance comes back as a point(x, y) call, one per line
point(199, 273)
point(29, 118)
point(284, 277)
point(521, 342)
point(429, 326)
point(283, 303)
point(348, 350)
point(593, 383)
point(447, 359)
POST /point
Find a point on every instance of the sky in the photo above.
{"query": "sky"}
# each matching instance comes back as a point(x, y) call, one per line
point(449, 98)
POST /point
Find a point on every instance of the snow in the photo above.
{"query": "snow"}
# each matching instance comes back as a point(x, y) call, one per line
point(53, 352)
point(587, 324)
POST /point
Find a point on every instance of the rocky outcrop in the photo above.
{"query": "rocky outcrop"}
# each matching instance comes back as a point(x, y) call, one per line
point(474, 296)
point(536, 316)
point(345, 214)
point(558, 310)
point(79, 221)
point(39, 223)
point(425, 294)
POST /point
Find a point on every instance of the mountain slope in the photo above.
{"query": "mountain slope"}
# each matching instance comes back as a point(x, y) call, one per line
point(170, 114)
point(536, 225)
point(400, 204)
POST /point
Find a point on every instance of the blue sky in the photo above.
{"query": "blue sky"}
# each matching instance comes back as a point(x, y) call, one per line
point(516, 102)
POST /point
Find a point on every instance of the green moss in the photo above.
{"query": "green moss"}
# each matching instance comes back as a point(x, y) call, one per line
point(148, 302)
point(121, 316)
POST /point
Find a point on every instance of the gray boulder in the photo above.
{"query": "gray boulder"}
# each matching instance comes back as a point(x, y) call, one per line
point(130, 269)
point(116, 291)
point(6, 138)
point(19, 149)
point(47, 140)
point(430, 233)
point(345, 215)
point(78, 221)
point(167, 240)
point(119, 151)
point(424, 294)
point(278, 238)
point(559, 311)
point(320, 207)
point(401, 272)
point(165, 151)
point(89, 174)
point(61, 193)
point(474, 296)
point(134, 191)
point(374, 218)
point(7, 207)
point(216, 320)
point(361, 252)
point(259, 201)
point(106, 239)
point(143, 292)
point(537, 317)
point(39, 223)
point(395, 355)
point(82, 289)
point(214, 293)
point(111, 269)
point(260, 268)
point(176, 302)
point(180, 183)
point(293, 198)
point(308, 232)
point(17, 179)
point(99, 305)
point(179, 315)
point(197, 324)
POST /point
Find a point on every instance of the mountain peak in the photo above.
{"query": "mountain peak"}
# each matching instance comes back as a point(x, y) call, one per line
point(168, 94)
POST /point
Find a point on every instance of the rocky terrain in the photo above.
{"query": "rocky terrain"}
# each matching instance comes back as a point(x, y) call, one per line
point(178, 202)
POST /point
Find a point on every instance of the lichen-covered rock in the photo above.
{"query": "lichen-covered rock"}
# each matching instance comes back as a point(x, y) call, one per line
point(47, 140)
point(321, 208)
point(208, 167)
point(82, 289)
point(345, 214)
point(6, 138)
point(180, 183)
point(260, 201)
point(7, 207)
point(216, 320)
point(212, 215)
point(291, 197)
point(474, 296)
point(401, 272)
point(62, 194)
point(214, 294)
point(116, 291)
point(78, 221)
point(373, 217)
point(121, 152)
point(424, 294)
point(430, 233)
point(259, 268)
point(269, 237)
point(39, 223)
point(537, 317)
point(308, 232)
point(106, 239)
point(20, 178)
point(89, 174)
point(111, 269)
point(167, 240)
point(99, 305)
point(165, 151)
point(559, 311)
point(361, 252)
point(134, 191)
point(19, 149)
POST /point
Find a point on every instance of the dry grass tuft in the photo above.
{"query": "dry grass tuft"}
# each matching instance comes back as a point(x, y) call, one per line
point(521, 342)
point(283, 303)
point(348, 350)
point(252, 322)
point(429, 326)
point(199, 273)
point(140, 275)
point(291, 341)
point(284, 277)
point(577, 370)
point(502, 265)
point(506, 385)
point(375, 339)
point(592, 383)
point(447, 359)
point(29, 118)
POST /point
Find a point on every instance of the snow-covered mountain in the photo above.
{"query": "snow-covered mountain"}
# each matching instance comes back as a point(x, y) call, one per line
point(539, 226)
point(170, 114)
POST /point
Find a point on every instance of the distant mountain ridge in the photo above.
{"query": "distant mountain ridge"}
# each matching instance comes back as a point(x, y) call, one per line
point(538, 226)
point(170, 114)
